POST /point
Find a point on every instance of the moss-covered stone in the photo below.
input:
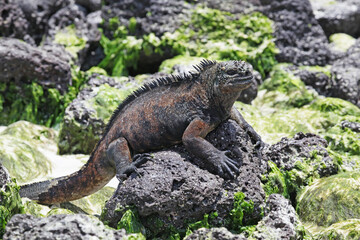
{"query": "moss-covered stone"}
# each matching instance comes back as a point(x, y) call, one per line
point(330, 200)
point(285, 90)
point(209, 33)
point(10, 204)
point(94, 203)
point(68, 38)
point(89, 113)
point(22, 150)
point(341, 41)
point(348, 229)
point(167, 65)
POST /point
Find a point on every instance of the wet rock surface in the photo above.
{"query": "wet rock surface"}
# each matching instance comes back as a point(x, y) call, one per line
point(172, 189)
point(338, 16)
point(287, 152)
point(280, 220)
point(13, 23)
point(23, 63)
point(346, 76)
point(299, 37)
point(59, 227)
point(354, 126)
point(4, 177)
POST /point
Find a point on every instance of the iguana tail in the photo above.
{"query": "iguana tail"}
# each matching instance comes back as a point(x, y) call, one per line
point(94, 175)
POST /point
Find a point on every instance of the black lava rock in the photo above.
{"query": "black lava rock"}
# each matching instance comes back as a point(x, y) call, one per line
point(23, 63)
point(299, 37)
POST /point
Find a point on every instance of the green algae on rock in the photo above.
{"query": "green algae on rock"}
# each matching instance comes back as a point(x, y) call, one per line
point(341, 41)
point(21, 150)
point(10, 203)
point(330, 200)
point(89, 113)
point(68, 38)
point(348, 229)
point(206, 34)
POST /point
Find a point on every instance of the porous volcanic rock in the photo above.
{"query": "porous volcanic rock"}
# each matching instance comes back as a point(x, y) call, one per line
point(280, 220)
point(61, 226)
point(354, 126)
point(287, 152)
point(339, 16)
point(4, 177)
point(299, 37)
point(38, 12)
point(13, 23)
point(171, 189)
point(346, 75)
point(86, 27)
point(23, 63)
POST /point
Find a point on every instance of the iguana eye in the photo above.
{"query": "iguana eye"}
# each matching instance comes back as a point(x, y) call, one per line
point(231, 72)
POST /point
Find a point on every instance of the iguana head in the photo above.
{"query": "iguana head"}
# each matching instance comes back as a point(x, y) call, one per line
point(232, 76)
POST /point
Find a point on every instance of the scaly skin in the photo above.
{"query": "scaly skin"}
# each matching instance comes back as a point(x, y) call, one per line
point(163, 113)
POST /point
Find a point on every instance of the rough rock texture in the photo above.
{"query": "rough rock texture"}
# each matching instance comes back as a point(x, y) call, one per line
point(59, 227)
point(299, 37)
point(4, 177)
point(86, 26)
point(280, 220)
point(171, 189)
point(20, 62)
point(232, 6)
point(92, 5)
point(340, 16)
point(152, 16)
point(214, 233)
point(288, 151)
point(346, 75)
point(354, 126)
point(38, 12)
point(164, 17)
point(318, 80)
point(13, 22)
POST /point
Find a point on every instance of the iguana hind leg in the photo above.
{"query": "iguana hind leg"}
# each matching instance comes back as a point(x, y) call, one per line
point(119, 154)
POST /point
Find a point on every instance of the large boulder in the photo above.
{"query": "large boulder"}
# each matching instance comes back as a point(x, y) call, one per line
point(339, 16)
point(299, 37)
point(169, 189)
point(62, 227)
point(13, 22)
point(21, 63)
point(346, 75)
point(330, 200)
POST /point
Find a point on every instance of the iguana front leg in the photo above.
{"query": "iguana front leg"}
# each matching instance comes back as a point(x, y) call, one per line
point(218, 162)
point(118, 153)
point(236, 115)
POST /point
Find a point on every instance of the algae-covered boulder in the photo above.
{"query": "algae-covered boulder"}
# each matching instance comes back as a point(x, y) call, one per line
point(169, 190)
point(86, 117)
point(299, 37)
point(338, 16)
point(23, 147)
point(348, 229)
point(32, 81)
point(345, 75)
point(330, 200)
point(62, 227)
point(10, 202)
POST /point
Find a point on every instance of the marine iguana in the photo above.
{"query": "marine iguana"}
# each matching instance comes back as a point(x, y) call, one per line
point(168, 111)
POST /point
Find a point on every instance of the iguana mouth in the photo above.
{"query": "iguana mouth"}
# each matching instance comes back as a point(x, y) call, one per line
point(242, 80)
